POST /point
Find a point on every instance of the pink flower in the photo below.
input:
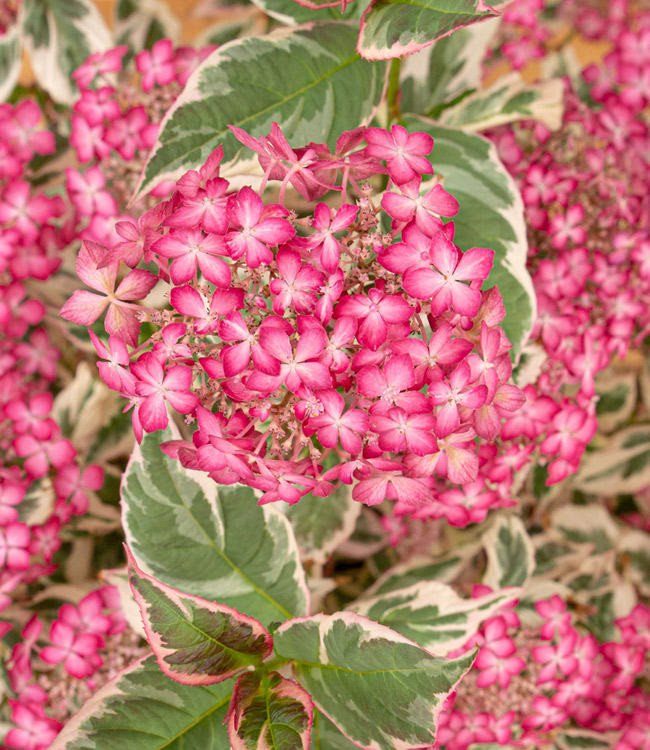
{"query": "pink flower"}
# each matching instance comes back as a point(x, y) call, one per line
point(77, 651)
point(86, 193)
point(561, 656)
point(399, 431)
point(333, 425)
point(99, 63)
point(189, 302)
point(14, 546)
point(159, 388)
point(297, 284)
point(424, 210)
point(33, 730)
point(113, 372)
point(297, 367)
point(72, 485)
point(443, 286)
point(557, 618)
point(203, 207)
point(85, 307)
point(458, 392)
point(126, 133)
point(404, 152)
point(258, 228)
point(158, 66)
point(190, 248)
point(323, 244)
point(375, 312)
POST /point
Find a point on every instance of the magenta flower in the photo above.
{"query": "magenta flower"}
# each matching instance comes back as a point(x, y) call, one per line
point(190, 248)
point(85, 307)
point(297, 367)
point(72, 485)
point(99, 63)
point(158, 388)
point(297, 286)
point(24, 211)
point(375, 312)
point(87, 194)
point(558, 657)
point(404, 152)
point(77, 651)
point(323, 244)
point(459, 392)
point(189, 302)
point(333, 425)
point(113, 372)
point(203, 207)
point(88, 140)
point(443, 286)
point(424, 210)
point(126, 133)
point(399, 431)
point(33, 730)
point(558, 620)
point(39, 454)
point(14, 546)
point(156, 66)
point(257, 228)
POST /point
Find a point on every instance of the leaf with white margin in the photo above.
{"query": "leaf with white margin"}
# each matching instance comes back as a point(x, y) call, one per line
point(432, 614)
point(291, 13)
point(196, 642)
point(509, 99)
point(586, 524)
point(380, 689)
point(10, 62)
point(617, 399)
point(141, 23)
point(491, 215)
point(142, 709)
point(119, 577)
point(394, 28)
point(621, 466)
point(325, 736)
point(448, 68)
point(308, 79)
point(269, 712)
point(635, 545)
point(583, 739)
point(321, 524)
point(510, 553)
point(420, 569)
point(210, 541)
point(59, 36)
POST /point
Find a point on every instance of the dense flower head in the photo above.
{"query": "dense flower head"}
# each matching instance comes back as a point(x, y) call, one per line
point(310, 349)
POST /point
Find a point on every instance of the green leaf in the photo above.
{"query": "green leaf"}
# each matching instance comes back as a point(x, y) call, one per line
point(59, 36)
point(196, 642)
point(394, 28)
point(510, 553)
point(509, 99)
point(308, 79)
point(140, 24)
point(325, 736)
point(213, 542)
point(621, 466)
point(491, 215)
point(10, 62)
point(617, 399)
point(636, 546)
point(432, 615)
point(378, 688)
point(586, 524)
point(142, 709)
point(322, 523)
point(447, 69)
point(415, 571)
point(269, 713)
point(291, 13)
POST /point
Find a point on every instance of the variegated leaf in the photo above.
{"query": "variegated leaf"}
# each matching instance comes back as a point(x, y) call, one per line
point(195, 641)
point(141, 23)
point(59, 36)
point(269, 712)
point(586, 524)
point(635, 546)
point(325, 736)
point(214, 542)
point(584, 739)
point(432, 614)
point(447, 69)
point(420, 569)
point(621, 466)
point(292, 13)
point(393, 28)
point(322, 523)
point(142, 709)
point(617, 399)
point(37, 505)
point(380, 689)
point(491, 215)
point(308, 79)
point(10, 62)
point(510, 553)
point(119, 577)
point(509, 99)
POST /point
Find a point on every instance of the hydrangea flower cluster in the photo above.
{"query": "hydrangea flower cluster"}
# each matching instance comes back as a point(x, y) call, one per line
point(115, 123)
point(529, 684)
point(295, 343)
point(587, 211)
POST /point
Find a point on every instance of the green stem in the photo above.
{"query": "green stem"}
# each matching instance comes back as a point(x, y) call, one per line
point(393, 94)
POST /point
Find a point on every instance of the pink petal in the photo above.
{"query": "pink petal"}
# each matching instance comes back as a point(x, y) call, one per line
point(84, 307)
